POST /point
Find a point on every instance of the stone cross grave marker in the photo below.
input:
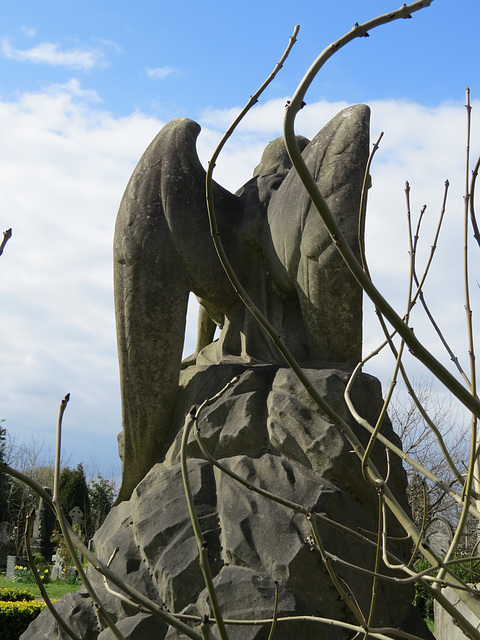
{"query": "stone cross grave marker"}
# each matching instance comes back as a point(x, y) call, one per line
point(76, 514)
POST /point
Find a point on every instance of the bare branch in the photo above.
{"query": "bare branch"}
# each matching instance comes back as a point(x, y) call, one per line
point(6, 237)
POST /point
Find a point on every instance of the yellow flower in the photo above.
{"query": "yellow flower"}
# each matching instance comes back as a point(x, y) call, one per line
point(16, 567)
point(46, 570)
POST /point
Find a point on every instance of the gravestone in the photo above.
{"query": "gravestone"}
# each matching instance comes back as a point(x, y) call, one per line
point(4, 542)
point(43, 526)
point(438, 535)
point(58, 567)
point(76, 516)
point(11, 564)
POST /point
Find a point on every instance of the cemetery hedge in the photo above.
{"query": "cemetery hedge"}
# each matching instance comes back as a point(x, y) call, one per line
point(18, 609)
point(10, 594)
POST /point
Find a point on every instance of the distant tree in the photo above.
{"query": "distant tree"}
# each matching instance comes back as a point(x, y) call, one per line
point(102, 494)
point(32, 459)
point(420, 443)
point(94, 498)
point(21, 500)
point(73, 491)
point(4, 478)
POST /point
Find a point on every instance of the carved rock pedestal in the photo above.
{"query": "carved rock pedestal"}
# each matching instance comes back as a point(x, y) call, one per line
point(267, 430)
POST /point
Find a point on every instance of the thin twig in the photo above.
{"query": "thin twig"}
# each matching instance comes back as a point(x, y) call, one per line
point(377, 633)
point(275, 610)
point(297, 102)
point(411, 300)
point(423, 524)
point(235, 282)
point(362, 218)
point(346, 596)
point(206, 628)
point(31, 561)
point(476, 231)
point(6, 237)
point(472, 481)
point(378, 556)
point(58, 448)
point(421, 296)
point(385, 441)
point(202, 546)
point(102, 612)
point(117, 594)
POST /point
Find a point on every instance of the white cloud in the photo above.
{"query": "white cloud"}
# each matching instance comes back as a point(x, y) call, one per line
point(267, 118)
point(159, 73)
point(110, 44)
point(64, 163)
point(63, 169)
point(51, 54)
point(74, 89)
point(29, 31)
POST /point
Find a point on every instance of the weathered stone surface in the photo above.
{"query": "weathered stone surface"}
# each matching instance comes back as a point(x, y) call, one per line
point(278, 246)
point(77, 609)
point(138, 627)
point(286, 446)
point(237, 587)
point(446, 627)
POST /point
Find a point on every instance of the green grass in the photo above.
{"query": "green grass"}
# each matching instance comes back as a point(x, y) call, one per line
point(430, 624)
point(54, 590)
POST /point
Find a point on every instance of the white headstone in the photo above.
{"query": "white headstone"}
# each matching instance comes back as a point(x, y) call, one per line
point(11, 562)
point(57, 569)
point(439, 535)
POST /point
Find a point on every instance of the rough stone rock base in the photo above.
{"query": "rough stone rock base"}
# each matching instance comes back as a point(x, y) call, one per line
point(267, 430)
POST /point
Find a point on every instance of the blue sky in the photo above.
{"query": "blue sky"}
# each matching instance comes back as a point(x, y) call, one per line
point(166, 58)
point(85, 86)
